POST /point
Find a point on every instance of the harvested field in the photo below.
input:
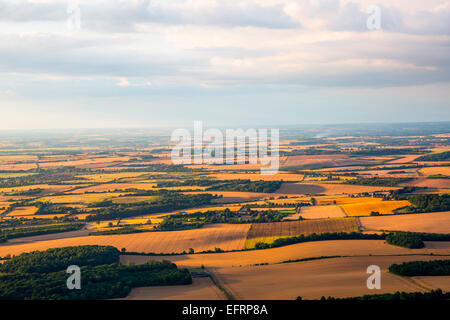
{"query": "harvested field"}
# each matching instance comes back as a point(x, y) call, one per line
point(105, 177)
point(375, 205)
point(23, 211)
point(435, 170)
point(315, 161)
point(434, 282)
point(327, 188)
point(200, 289)
point(321, 212)
point(224, 236)
point(82, 162)
point(429, 183)
point(295, 228)
point(45, 188)
point(295, 252)
point(82, 198)
point(337, 277)
point(435, 222)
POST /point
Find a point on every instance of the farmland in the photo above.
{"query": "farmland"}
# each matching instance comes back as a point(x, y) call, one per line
point(376, 205)
point(260, 231)
point(231, 219)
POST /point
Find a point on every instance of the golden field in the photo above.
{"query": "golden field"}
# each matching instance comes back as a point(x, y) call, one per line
point(305, 227)
point(435, 222)
point(200, 289)
point(338, 277)
point(321, 212)
point(82, 198)
point(435, 171)
point(23, 211)
point(375, 204)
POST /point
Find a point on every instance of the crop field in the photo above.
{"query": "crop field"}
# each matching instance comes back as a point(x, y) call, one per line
point(201, 289)
point(23, 211)
point(82, 198)
point(45, 188)
point(235, 196)
point(105, 177)
point(295, 252)
point(365, 208)
point(295, 228)
point(257, 176)
point(223, 236)
point(337, 277)
point(435, 171)
point(435, 222)
point(108, 187)
point(321, 212)
point(83, 162)
point(429, 183)
point(327, 188)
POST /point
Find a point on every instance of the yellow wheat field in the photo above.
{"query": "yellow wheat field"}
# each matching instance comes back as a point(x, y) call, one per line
point(435, 170)
point(81, 198)
point(305, 227)
point(365, 208)
point(23, 211)
point(105, 177)
point(321, 212)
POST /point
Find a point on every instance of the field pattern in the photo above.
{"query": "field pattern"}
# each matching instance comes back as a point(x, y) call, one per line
point(224, 236)
point(376, 205)
point(321, 212)
point(295, 228)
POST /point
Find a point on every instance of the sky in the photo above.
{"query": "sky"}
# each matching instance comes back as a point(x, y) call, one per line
point(147, 63)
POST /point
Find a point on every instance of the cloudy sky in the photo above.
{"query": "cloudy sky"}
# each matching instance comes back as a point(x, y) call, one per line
point(143, 63)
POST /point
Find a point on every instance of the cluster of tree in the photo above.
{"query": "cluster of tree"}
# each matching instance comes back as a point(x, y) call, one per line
point(48, 176)
point(399, 194)
point(309, 151)
point(46, 208)
point(188, 182)
point(57, 259)
point(102, 277)
point(168, 201)
point(29, 192)
point(383, 182)
point(405, 239)
point(422, 268)
point(121, 230)
point(417, 296)
point(10, 233)
point(248, 186)
point(273, 205)
point(428, 203)
point(441, 156)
